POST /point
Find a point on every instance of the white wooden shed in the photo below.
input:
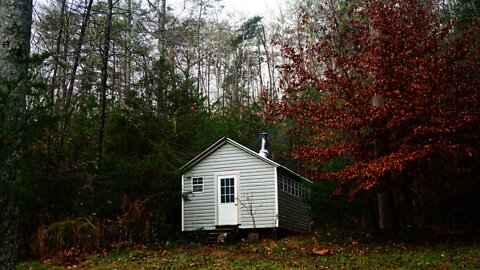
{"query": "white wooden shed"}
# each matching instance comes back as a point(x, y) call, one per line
point(227, 183)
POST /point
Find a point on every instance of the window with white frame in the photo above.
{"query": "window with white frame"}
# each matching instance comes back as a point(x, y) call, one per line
point(197, 184)
point(292, 187)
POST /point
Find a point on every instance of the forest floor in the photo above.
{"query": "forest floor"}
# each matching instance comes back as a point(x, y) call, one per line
point(296, 252)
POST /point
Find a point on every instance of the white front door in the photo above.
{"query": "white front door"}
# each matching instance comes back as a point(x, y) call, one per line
point(227, 201)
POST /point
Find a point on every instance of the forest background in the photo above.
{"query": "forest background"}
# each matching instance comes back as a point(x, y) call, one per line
point(377, 103)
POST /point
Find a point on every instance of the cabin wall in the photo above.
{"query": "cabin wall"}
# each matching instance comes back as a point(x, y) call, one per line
point(256, 177)
point(292, 210)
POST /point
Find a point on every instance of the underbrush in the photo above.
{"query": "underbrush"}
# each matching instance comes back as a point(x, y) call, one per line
point(68, 241)
point(295, 252)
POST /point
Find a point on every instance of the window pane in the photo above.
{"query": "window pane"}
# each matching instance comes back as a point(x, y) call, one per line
point(227, 190)
point(197, 184)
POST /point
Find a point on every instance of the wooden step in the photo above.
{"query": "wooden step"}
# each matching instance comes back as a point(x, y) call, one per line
point(222, 234)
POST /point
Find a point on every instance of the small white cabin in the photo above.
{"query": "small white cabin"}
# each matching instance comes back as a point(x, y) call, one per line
point(231, 185)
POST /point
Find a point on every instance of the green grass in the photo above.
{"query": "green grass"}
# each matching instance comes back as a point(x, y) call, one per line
point(288, 253)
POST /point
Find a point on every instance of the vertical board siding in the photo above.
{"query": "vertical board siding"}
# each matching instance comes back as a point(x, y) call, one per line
point(293, 212)
point(256, 178)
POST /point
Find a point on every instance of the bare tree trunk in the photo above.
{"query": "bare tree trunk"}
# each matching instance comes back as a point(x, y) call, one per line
point(57, 52)
point(128, 50)
point(73, 74)
point(161, 93)
point(208, 81)
point(66, 43)
point(53, 85)
point(385, 196)
point(386, 217)
point(259, 72)
point(271, 80)
point(202, 4)
point(15, 31)
point(163, 23)
point(103, 85)
point(372, 212)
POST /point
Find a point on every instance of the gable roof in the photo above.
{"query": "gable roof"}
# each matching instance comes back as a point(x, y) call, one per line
point(226, 140)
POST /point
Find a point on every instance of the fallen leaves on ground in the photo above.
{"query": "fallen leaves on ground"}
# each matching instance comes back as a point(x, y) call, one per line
point(321, 252)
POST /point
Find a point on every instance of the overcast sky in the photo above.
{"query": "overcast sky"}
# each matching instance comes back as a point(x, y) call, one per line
point(254, 7)
point(243, 8)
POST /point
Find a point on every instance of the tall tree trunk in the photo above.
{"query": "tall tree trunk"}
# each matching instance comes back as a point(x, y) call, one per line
point(103, 85)
point(128, 50)
point(260, 77)
point(161, 93)
point(385, 196)
point(386, 207)
point(15, 28)
point(53, 85)
point(57, 52)
point(271, 80)
point(202, 4)
point(208, 81)
point(163, 23)
point(372, 212)
point(73, 74)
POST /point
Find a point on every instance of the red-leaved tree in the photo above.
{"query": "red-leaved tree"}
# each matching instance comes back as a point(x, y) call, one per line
point(388, 88)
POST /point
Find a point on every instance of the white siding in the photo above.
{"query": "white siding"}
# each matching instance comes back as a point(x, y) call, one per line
point(256, 178)
point(292, 212)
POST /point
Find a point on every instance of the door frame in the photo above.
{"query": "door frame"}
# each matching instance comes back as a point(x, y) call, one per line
point(216, 177)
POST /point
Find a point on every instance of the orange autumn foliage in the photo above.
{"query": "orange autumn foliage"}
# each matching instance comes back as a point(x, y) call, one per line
point(391, 88)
